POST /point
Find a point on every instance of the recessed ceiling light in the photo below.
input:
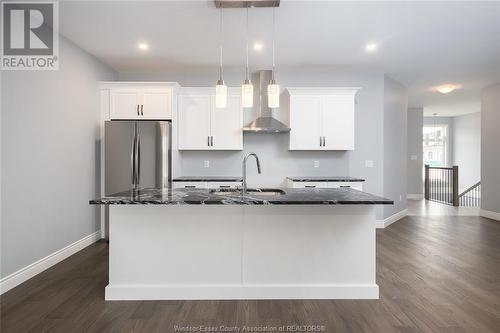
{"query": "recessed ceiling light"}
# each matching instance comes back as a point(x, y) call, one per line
point(143, 46)
point(371, 47)
point(258, 46)
point(446, 88)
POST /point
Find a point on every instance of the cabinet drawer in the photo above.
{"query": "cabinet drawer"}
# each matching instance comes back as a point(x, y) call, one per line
point(310, 184)
point(224, 184)
point(190, 185)
point(354, 185)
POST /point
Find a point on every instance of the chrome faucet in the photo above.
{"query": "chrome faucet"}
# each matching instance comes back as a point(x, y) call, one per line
point(244, 170)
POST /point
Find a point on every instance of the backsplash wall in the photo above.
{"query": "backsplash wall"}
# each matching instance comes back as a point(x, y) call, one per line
point(277, 162)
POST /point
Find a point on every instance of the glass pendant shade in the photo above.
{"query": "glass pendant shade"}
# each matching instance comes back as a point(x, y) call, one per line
point(247, 94)
point(220, 94)
point(273, 95)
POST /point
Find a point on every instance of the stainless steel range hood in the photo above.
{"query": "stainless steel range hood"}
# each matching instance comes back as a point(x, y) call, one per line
point(265, 122)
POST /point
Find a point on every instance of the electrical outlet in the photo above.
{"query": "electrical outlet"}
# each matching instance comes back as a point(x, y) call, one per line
point(316, 164)
point(206, 164)
point(368, 164)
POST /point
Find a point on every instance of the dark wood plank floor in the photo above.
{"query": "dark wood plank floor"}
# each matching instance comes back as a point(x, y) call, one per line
point(436, 274)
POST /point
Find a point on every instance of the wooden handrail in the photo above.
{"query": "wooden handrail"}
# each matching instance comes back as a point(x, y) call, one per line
point(469, 189)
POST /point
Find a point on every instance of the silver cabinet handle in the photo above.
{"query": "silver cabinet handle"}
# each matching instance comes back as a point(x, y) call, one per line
point(320, 141)
point(208, 141)
point(311, 186)
point(324, 141)
point(137, 109)
point(224, 186)
point(142, 110)
point(189, 186)
point(211, 141)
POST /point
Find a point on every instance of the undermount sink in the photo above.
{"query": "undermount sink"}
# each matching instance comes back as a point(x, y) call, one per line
point(251, 191)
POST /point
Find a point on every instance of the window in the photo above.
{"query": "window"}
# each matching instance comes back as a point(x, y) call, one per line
point(435, 145)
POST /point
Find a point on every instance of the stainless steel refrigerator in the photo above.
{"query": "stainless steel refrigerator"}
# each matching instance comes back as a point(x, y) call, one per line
point(137, 155)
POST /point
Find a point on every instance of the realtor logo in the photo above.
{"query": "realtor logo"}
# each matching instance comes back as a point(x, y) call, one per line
point(30, 39)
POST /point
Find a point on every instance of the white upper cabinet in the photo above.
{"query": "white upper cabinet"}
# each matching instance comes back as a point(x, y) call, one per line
point(194, 121)
point(321, 118)
point(202, 126)
point(140, 101)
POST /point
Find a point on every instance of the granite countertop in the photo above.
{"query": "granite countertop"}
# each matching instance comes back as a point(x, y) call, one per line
point(326, 179)
point(207, 179)
point(290, 196)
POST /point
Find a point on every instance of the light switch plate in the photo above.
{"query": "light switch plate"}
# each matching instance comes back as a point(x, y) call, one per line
point(368, 164)
point(413, 157)
point(206, 164)
point(316, 164)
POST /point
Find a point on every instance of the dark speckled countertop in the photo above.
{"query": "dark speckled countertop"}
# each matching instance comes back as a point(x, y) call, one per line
point(288, 196)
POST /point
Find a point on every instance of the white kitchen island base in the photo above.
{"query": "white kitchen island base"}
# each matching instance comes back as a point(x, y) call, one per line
point(178, 252)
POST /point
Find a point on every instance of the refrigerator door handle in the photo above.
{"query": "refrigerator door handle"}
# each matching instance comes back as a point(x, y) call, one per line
point(134, 158)
point(138, 161)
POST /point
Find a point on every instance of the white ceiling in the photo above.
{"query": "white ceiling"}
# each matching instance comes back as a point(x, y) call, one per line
point(421, 44)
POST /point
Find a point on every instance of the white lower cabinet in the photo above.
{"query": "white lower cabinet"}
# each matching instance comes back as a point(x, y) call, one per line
point(202, 126)
point(354, 185)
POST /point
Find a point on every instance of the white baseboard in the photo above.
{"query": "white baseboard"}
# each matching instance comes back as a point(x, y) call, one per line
point(414, 196)
point(216, 292)
point(39, 266)
point(391, 219)
point(489, 214)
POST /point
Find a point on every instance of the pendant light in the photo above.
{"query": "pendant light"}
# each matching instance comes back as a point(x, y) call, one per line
point(273, 89)
point(220, 88)
point(247, 87)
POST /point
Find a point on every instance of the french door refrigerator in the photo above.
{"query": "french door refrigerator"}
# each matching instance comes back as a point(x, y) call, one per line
point(137, 155)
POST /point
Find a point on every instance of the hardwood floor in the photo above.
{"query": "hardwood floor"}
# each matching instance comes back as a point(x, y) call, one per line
point(436, 274)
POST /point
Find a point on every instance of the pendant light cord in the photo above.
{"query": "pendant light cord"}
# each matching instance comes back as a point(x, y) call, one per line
point(274, 37)
point(247, 72)
point(220, 44)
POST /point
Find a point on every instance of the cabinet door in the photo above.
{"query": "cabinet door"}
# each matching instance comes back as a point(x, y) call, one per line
point(338, 122)
point(226, 125)
point(124, 103)
point(156, 104)
point(194, 122)
point(305, 123)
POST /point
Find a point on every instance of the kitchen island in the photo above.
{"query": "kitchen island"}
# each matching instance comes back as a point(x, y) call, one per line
point(222, 244)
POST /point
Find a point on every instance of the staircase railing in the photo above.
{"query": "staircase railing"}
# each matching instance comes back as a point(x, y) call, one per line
point(441, 184)
point(471, 197)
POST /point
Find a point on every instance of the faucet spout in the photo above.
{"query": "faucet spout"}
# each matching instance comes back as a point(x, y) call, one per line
point(244, 170)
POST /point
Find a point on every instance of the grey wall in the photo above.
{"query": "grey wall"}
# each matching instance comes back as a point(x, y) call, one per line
point(50, 155)
point(467, 149)
point(490, 148)
point(415, 182)
point(395, 148)
point(277, 161)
